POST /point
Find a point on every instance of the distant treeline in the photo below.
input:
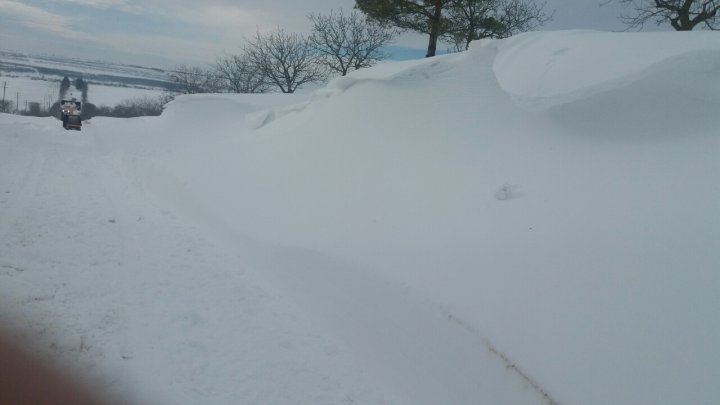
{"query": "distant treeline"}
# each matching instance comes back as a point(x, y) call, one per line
point(137, 107)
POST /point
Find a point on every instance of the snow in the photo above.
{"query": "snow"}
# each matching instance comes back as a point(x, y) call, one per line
point(572, 65)
point(522, 223)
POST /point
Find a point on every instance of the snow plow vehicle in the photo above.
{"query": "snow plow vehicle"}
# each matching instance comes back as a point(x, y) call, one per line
point(70, 111)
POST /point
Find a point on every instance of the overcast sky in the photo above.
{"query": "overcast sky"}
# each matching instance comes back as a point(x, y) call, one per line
point(166, 32)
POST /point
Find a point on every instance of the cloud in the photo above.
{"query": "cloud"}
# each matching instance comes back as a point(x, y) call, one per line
point(232, 16)
point(221, 18)
point(187, 30)
point(165, 46)
point(39, 19)
point(243, 17)
point(123, 5)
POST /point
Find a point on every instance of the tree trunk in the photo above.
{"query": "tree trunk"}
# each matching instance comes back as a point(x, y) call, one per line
point(435, 29)
point(683, 21)
point(432, 45)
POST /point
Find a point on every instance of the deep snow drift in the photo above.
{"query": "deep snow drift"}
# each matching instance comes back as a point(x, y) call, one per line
point(532, 221)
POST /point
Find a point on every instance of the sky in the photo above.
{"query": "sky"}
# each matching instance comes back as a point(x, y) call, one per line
point(164, 33)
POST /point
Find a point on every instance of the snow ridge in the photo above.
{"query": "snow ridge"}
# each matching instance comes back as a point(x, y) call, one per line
point(385, 73)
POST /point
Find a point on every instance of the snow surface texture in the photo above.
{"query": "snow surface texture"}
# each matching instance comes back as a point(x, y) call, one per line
point(530, 222)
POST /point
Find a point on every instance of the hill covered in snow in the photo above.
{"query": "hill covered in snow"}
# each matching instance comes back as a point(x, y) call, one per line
point(532, 221)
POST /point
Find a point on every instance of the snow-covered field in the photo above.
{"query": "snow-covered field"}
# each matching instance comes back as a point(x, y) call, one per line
point(534, 221)
point(56, 64)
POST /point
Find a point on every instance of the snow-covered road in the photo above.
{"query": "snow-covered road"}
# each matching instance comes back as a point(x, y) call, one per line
point(155, 299)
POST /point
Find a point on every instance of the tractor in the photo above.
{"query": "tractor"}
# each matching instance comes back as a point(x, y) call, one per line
point(70, 111)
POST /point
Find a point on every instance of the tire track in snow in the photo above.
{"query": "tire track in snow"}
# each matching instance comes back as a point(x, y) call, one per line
point(23, 196)
point(509, 363)
point(197, 325)
point(149, 248)
point(109, 186)
point(57, 230)
point(399, 330)
point(16, 200)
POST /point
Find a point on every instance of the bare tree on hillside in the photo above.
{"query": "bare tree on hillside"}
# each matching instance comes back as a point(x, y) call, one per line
point(35, 110)
point(349, 42)
point(471, 20)
point(683, 15)
point(285, 60)
point(139, 107)
point(240, 75)
point(193, 80)
point(6, 106)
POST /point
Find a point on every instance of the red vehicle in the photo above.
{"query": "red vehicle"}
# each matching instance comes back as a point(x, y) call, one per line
point(70, 111)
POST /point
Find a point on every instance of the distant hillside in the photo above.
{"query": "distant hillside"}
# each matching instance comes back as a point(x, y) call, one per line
point(49, 67)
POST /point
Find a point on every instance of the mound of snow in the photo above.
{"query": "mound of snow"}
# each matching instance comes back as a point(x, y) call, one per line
point(214, 107)
point(578, 238)
point(570, 65)
point(387, 71)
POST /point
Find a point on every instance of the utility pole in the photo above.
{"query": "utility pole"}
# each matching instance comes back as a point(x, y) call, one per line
point(4, 87)
point(17, 102)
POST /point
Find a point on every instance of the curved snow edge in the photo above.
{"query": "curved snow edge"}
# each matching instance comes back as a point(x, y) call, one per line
point(406, 70)
point(544, 69)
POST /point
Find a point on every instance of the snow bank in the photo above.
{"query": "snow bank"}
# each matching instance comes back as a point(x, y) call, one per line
point(225, 106)
point(595, 272)
point(572, 65)
point(403, 70)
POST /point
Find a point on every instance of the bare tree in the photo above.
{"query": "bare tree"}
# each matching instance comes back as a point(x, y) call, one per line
point(349, 42)
point(285, 60)
point(472, 20)
point(35, 110)
point(240, 75)
point(6, 106)
point(518, 16)
point(138, 107)
point(683, 15)
point(192, 80)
